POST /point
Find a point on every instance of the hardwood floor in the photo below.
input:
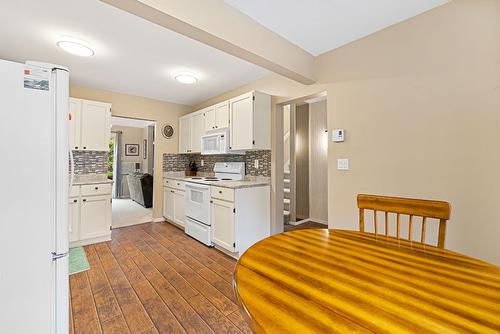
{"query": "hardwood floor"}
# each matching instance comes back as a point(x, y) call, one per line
point(153, 278)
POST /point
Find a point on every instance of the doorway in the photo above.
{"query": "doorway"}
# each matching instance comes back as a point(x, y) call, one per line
point(131, 165)
point(305, 163)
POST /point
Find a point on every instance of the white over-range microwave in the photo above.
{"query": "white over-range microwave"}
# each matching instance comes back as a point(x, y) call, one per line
point(216, 142)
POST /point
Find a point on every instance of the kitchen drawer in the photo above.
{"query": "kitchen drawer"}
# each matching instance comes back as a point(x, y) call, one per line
point(96, 189)
point(75, 191)
point(176, 184)
point(221, 193)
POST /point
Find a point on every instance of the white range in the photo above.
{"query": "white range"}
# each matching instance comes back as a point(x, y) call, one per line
point(197, 197)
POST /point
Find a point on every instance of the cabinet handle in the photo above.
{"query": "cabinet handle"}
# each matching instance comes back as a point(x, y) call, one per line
point(96, 188)
point(76, 147)
point(84, 200)
point(220, 191)
point(74, 201)
point(172, 191)
point(85, 147)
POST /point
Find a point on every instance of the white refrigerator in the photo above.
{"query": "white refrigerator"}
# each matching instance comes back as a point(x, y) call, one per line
point(34, 289)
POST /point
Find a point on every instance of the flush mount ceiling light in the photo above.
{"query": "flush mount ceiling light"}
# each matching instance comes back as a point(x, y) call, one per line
point(75, 46)
point(186, 78)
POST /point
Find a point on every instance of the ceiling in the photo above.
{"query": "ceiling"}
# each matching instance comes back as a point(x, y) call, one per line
point(318, 26)
point(130, 122)
point(132, 55)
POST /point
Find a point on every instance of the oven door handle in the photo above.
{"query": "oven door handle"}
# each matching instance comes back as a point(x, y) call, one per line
point(196, 186)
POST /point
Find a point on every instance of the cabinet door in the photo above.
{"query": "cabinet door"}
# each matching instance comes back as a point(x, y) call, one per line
point(210, 118)
point(75, 110)
point(179, 212)
point(74, 219)
point(241, 115)
point(168, 203)
point(197, 130)
point(222, 115)
point(95, 216)
point(95, 125)
point(223, 224)
point(185, 135)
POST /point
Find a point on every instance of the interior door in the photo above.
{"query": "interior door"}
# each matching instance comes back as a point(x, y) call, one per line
point(222, 115)
point(75, 109)
point(223, 224)
point(210, 118)
point(95, 219)
point(179, 212)
point(168, 203)
point(185, 135)
point(241, 113)
point(197, 131)
point(95, 125)
point(74, 219)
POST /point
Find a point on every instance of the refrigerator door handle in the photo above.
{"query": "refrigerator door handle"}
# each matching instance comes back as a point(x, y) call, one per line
point(56, 256)
point(72, 162)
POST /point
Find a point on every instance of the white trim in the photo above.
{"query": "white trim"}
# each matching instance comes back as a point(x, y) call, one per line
point(314, 220)
point(158, 220)
point(90, 241)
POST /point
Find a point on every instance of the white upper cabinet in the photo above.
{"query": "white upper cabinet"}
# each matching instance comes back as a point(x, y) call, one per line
point(222, 115)
point(210, 118)
point(191, 128)
point(247, 116)
point(90, 125)
point(250, 122)
point(197, 130)
point(184, 135)
point(75, 111)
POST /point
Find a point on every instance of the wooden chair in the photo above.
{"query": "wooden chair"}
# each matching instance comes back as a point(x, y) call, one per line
point(404, 206)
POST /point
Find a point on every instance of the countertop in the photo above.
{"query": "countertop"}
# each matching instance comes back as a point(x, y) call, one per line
point(79, 180)
point(249, 182)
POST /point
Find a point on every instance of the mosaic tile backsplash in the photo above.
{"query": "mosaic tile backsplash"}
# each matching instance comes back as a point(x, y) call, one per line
point(179, 162)
point(87, 162)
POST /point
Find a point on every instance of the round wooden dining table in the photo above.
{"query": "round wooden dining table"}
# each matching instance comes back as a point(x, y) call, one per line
point(335, 281)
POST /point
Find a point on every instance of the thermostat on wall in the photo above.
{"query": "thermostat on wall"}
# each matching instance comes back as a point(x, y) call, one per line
point(338, 135)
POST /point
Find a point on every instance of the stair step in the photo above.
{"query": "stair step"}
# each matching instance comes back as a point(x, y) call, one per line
point(286, 213)
point(286, 200)
point(287, 190)
point(286, 180)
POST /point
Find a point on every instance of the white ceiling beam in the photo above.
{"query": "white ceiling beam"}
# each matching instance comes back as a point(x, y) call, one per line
point(219, 25)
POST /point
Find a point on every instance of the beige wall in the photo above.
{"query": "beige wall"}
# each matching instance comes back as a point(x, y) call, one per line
point(143, 108)
point(318, 162)
point(420, 102)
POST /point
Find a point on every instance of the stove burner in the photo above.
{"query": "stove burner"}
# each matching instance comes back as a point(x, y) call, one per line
point(226, 179)
point(196, 178)
point(211, 178)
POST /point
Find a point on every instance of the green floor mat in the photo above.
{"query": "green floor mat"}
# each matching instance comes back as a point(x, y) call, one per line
point(77, 260)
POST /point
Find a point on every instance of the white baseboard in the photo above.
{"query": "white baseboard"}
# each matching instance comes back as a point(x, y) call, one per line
point(159, 220)
point(96, 240)
point(309, 220)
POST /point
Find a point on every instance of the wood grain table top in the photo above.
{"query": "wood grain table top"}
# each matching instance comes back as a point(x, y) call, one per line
point(334, 281)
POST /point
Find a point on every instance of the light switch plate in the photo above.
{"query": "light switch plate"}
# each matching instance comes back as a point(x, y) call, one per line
point(256, 164)
point(343, 164)
point(202, 162)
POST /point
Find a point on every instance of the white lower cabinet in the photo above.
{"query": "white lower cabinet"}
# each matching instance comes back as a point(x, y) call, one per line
point(223, 224)
point(168, 203)
point(173, 201)
point(240, 217)
point(74, 219)
point(89, 215)
point(179, 212)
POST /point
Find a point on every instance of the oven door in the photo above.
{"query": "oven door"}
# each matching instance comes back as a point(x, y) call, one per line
point(197, 204)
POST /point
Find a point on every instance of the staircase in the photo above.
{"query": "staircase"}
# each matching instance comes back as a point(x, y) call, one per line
point(286, 198)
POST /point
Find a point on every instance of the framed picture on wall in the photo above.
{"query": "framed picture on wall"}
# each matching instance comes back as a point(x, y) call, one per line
point(145, 149)
point(132, 149)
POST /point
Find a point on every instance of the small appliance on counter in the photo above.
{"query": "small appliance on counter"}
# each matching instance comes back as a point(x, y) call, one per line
point(197, 198)
point(192, 169)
